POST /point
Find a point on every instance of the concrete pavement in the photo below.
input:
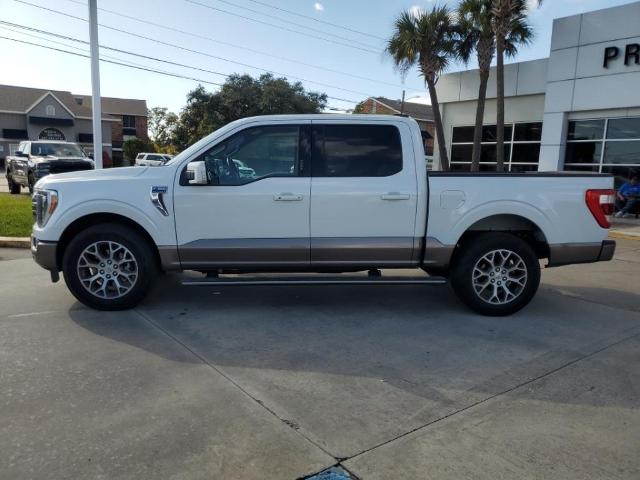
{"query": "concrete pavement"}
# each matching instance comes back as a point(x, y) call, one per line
point(281, 382)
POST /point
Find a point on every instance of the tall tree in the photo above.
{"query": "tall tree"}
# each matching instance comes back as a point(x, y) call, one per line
point(475, 26)
point(426, 39)
point(511, 29)
point(162, 125)
point(476, 23)
point(242, 96)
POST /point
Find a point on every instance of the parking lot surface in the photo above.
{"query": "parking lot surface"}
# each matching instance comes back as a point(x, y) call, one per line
point(283, 382)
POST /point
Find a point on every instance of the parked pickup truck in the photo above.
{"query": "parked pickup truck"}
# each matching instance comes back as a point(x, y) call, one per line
point(34, 160)
point(328, 194)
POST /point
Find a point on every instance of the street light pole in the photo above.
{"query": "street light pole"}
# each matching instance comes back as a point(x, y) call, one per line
point(95, 83)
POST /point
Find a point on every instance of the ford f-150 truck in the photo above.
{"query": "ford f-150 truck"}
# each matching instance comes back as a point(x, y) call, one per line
point(34, 160)
point(333, 195)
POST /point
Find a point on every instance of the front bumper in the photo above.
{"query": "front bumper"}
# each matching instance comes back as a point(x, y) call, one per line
point(45, 254)
point(569, 253)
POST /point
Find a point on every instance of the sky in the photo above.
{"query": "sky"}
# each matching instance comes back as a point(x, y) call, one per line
point(218, 38)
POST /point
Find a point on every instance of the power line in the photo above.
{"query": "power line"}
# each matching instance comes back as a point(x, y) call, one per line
point(259, 52)
point(211, 7)
point(199, 52)
point(293, 23)
point(138, 66)
point(161, 72)
point(309, 17)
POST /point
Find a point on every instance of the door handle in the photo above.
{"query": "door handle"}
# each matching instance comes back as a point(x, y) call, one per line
point(395, 196)
point(287, 197)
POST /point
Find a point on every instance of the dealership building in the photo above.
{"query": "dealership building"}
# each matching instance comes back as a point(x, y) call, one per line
point(578, 110)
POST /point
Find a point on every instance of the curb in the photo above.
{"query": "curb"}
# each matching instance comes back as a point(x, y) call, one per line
point(15, 242)
point(624, 236)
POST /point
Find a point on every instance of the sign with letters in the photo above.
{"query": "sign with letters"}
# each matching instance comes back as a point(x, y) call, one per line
point(631, 54)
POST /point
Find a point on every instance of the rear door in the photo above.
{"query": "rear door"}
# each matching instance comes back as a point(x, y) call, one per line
point(363, 194)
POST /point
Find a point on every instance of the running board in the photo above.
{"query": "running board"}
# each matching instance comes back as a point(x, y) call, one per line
point(309, 280)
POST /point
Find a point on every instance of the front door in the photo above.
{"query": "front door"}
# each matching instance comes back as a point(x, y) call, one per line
point(254, 213)
point(363, 195)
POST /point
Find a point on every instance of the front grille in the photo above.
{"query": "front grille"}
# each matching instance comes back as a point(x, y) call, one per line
point(62, 167)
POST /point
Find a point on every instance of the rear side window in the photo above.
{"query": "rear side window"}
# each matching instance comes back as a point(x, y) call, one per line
point(140, 156)
point(356, 151)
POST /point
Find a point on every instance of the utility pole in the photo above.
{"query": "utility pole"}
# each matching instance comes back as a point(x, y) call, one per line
point(95, 83)
point(402, 104)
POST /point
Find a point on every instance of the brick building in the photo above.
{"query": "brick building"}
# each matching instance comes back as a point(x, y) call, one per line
point(37, 114)
point(423, 114)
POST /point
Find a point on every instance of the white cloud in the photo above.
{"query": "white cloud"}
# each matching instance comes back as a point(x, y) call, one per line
point(318, 7)
point(416, 10)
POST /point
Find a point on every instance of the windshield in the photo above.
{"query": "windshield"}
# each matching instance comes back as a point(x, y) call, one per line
point(56, 150)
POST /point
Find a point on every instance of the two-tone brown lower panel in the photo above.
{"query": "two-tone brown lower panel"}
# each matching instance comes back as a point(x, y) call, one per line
point(297, 253)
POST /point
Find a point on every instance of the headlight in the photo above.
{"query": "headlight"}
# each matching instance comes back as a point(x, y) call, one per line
point(43, 204)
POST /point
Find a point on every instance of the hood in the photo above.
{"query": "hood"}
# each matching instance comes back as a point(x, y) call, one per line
point(105, 174)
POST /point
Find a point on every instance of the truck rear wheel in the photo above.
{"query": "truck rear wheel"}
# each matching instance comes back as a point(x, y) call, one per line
point(109, 267)
point(496, 274)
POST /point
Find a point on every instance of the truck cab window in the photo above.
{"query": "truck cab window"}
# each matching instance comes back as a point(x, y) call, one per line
point(356, 151)
point(254, 154)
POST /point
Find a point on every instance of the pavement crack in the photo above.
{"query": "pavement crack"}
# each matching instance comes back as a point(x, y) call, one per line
point(494, 396)
point(289, 423)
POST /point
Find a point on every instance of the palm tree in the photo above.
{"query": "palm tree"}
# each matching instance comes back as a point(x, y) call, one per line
point(426, 39)
point(511, 29)
point(475, 26)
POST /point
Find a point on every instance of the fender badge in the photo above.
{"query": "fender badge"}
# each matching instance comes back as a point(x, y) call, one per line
point(159, 189)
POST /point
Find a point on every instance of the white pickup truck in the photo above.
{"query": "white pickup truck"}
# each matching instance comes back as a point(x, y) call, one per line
point(334, 195)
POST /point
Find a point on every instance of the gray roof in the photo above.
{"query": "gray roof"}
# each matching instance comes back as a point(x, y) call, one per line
point(415, 110)
point(19, 99)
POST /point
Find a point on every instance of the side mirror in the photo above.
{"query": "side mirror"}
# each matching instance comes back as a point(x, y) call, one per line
point(18, 153)
point(197, 173)
point(90, 156)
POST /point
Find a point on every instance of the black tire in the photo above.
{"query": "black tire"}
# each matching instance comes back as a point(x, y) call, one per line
point(14, 188)
point(138, 247)
point(473, 253)
point(31, 182)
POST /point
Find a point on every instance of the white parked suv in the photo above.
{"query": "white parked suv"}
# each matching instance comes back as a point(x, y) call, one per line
point(152, 159)
point(327, 194)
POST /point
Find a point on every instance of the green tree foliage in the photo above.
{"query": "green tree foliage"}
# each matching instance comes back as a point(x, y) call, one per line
point(426, 40)
point(131, 148)
point(241, 96)
point(162, 126)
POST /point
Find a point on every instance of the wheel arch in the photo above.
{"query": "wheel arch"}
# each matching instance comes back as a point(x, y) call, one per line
point(515, 224)
point(86, 221)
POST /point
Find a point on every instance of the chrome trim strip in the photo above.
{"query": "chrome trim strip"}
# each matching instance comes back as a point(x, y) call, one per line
point(156, 194)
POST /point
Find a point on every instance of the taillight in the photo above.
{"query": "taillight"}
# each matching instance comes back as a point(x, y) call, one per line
point(600, 203)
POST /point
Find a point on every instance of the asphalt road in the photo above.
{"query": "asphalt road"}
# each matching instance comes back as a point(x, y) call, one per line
point(281, 382)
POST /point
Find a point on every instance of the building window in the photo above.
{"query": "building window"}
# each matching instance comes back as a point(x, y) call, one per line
point(609, 145)
point(521, 147)
point(128, 125)
point(50, 111)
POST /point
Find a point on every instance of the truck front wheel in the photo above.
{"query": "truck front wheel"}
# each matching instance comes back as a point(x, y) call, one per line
point(108, 267)
point(496, 274)
point(14, 188)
